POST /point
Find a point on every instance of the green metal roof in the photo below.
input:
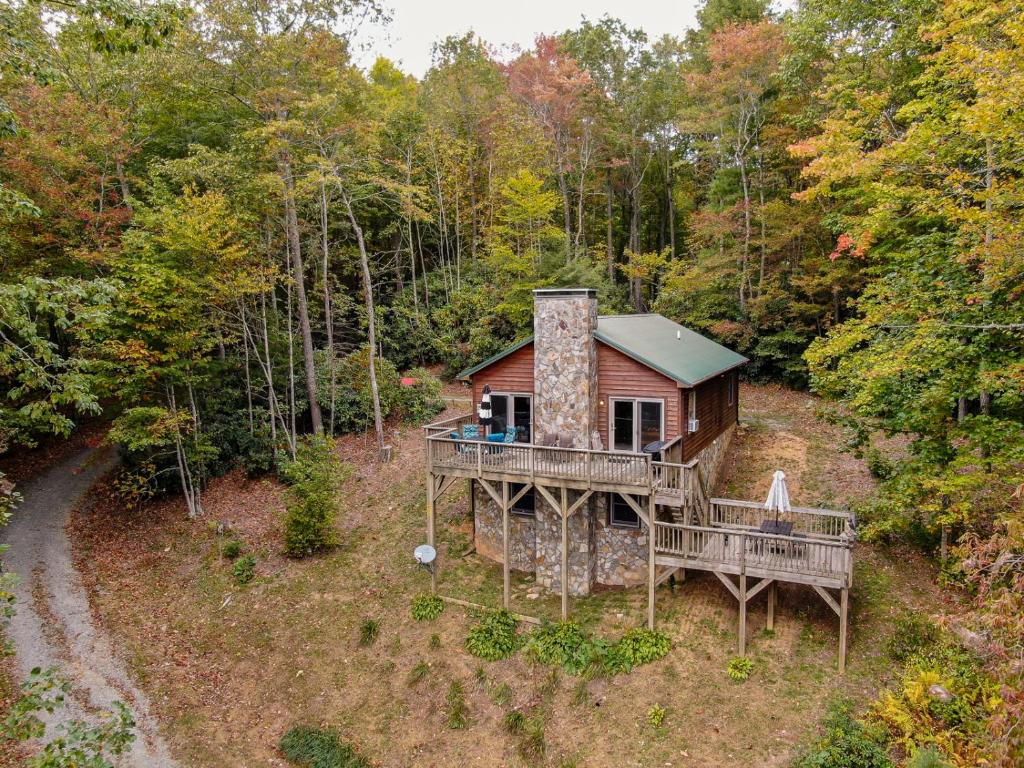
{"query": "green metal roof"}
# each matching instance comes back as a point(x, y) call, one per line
point(655, 341)
point(667, 347)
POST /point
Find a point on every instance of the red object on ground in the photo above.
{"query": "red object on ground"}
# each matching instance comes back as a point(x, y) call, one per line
point(408, 381)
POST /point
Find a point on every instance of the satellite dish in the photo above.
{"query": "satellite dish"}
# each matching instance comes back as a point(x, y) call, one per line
point(424, 554)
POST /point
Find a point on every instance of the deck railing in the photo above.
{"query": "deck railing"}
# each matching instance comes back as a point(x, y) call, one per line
point(447, 426)
point(762, 553)
point(827, 523)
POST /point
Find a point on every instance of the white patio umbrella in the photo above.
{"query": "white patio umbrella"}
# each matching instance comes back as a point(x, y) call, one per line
point(778, 496)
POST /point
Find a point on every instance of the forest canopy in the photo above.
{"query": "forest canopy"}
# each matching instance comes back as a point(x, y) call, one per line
point(221, 232)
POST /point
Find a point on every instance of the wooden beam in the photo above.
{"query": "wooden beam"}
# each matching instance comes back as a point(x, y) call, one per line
point(548, 497)
point(479, 607)
point(522, 492)
point(579, 502)
point(743, 614)
point(565, 557)
point(492, 492)
point(650, 563)
point(829, 600)
point(505, 567)
point(771, 605)
point(444, 482)
point(760, 585)
point(430, 529)
point(666, 574)
point(728, 584)
point(640, 511)
point(844, 604)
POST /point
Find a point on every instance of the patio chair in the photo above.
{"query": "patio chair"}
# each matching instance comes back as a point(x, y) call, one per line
point(469, 432)
point(511, 434)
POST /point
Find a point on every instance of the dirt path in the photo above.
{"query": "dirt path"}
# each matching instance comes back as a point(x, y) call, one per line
point(53, 625)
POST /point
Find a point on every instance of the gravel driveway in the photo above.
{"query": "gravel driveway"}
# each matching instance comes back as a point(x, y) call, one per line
point(53, 625)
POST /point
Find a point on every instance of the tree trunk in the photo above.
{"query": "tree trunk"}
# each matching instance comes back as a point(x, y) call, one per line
point(378, 419)
point(610, 230)
point(292, 227)
point(328, 310)
point(563, 188)
point(745, 258)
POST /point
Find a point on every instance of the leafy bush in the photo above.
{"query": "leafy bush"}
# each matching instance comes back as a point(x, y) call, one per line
point(642, 646)
point(319, 748)
point(427, 607)
point(313, 480)
point(231, 549)
point(369, 631)
point(928, 758)
point(847, 743)
point(244, 569)
point(912, 635)
point(494, 637)
point(656, 716)
point(563, 645)
point(739, 668)
point(420, 401)
point(458, 713)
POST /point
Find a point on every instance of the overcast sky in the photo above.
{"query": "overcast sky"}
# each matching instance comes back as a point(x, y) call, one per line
point(418, 24)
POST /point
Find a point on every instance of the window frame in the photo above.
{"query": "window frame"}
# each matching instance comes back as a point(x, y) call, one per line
point(510, 409)
point(520, 511)
point(613, 523)
point(732, 387)
point(637, 447)
point(691, 409)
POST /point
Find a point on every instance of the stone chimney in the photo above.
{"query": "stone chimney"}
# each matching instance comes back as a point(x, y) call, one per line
point(565, 363)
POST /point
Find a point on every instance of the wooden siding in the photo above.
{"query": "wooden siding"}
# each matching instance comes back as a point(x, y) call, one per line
point(513, 373)
point(619, 375)
point(713, 411)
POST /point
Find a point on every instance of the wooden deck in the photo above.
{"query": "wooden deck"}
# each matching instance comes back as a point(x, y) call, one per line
point(722, 536)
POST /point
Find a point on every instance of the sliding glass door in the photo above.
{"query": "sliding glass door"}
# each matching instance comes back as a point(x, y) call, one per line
point(513, 411)
point(636, 423)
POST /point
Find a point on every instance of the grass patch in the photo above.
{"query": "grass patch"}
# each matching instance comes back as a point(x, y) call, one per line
point(369, 631)
point(455, 704)
point(418, 672)
point(319, 748)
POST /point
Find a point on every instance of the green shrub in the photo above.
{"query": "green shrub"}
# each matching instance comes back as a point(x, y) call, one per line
point(656, 716)
point(458, 713)
point(515, 722)
point(912, 635)
point(418, 672)
point(313, 481)
point(928, 758)
point(563, 645)
point(847, 743)
point(494, 637)
point(642, 646)
point(420, 401)
point(369, 631)
point(427, 607)
point(739, 668)
point(244, 569)
point(319, 748)
point(231, 549)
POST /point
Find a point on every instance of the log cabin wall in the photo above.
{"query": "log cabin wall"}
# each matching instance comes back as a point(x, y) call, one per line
point(513, 373)
point(620, 375)
point(714, 411)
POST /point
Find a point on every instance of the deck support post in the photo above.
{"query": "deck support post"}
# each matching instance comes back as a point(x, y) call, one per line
point(650, 562)
point(430, 530)
point(844, 606)
point(771, 606)
point(504, 545)
point(743, 614)
point(565, 554)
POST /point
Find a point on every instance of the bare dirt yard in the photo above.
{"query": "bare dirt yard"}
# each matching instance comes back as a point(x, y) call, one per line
point(229, 668)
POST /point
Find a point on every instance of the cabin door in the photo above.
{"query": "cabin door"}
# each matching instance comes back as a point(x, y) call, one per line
point(636, 423)
point(514, 411)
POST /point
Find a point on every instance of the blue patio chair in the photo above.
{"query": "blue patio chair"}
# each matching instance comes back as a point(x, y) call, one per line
point(511, 434)
point(470, 432)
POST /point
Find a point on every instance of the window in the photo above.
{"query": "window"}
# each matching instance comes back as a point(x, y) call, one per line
point(526, 506)
point(732, 388)
point(620, 514)
point(636, 423)
point(513, 411)
point(691, 399)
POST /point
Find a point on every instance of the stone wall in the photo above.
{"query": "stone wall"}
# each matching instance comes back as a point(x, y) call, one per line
point(710, 458)
point(565, 397)
point(582, 564)
point(487, 524)
point(621, 554)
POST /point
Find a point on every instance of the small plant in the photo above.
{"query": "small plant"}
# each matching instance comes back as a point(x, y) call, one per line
point(418, 672)
point(564, 645)
point(232, 548)
point(435, 641)
point(912, 635)
point(494, 637)
point(502, 695)
point(642, 646)
point(480, 675)
point(313, 480)
point(369, 631)
point(319, 748)
point(739, 668)
point(244, 569)
point(427, 607)
point(656, 716)
point(532, 744)
point(515, 722)
point(580, 693)
point(458, 714)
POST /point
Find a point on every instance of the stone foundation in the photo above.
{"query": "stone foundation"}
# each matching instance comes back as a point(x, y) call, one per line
point(521, 529)
point(710, 458)
point(621, 552)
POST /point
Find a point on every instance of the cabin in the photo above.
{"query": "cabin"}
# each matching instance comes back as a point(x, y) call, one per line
point(605, 434)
